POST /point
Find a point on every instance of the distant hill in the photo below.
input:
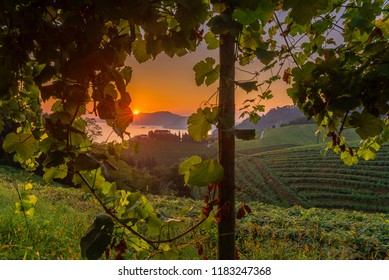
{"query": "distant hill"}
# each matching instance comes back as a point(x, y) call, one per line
point(274, 118)
point(163, 118)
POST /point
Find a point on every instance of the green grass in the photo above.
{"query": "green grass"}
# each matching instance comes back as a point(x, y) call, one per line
point(284, 137)
point(270, 232)
point(62, 216)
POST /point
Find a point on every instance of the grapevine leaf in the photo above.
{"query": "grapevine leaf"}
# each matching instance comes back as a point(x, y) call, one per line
point(23, 144)
point(211, 40)
point(218, 25)
point(106, 108)
point(85, 162)
point(265, 56)
point(369, 149)
point(126, 73)
point(205, 173)
point(140, 53)
point(94, 243)
point(367, 125)
point(123, 119)
point(248, 86)
point(303, 11)
point(202, 173)
point(185, 166)
point(244, 16)
point(198, 126)
point(348, 158)
point(111, 90)
point(55, 172)
point(205, 72)
point(125, 100)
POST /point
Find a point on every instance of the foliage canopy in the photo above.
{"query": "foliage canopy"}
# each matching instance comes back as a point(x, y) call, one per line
point(333, 53)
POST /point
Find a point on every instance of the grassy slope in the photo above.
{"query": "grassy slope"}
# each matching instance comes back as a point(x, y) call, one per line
point(270, 232)
point(294, 135)
point(62, 216)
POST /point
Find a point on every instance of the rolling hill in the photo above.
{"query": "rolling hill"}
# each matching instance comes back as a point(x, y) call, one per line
point(304, 176)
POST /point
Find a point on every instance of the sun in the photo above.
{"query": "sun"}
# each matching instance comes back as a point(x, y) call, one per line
point(136, 112)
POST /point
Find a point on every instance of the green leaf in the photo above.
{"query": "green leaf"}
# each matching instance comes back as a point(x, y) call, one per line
point(244, 16)
point(265, 56)
point(264, 12)
point(248, 86)
point(198, 126)
point(139, 49)
point(205, 72)
point(123, 119)
point(23, 144)
point(86, 162)
point(349, 159)
point(186, 165)
point(211, 40)
point(55, 172)
point(94, 243)
point(369, 150)
point(201, 173)
point(205, 173)
point(218, 25)
point(126, 73)
point(367, 125)
point(303, 11)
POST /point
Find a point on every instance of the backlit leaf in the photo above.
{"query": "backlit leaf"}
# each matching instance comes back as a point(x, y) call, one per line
point(205, 173)
point(211, 40)
point(205, 72)
point(185, 166)
point(126, 73)
point(23, 144)
point(140, 53)
point(201, 173)
point(198, 126)
point(54, 172)
point(348, 158)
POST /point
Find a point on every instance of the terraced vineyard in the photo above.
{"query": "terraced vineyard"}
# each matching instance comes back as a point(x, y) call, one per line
point(305, 177)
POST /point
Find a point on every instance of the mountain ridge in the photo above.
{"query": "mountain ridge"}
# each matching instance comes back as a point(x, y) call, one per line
point(165, 119)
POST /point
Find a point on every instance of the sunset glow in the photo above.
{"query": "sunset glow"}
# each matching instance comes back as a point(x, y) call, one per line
point(136, 112)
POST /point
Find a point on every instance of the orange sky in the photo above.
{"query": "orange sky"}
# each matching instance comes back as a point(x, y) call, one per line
point(168, 84)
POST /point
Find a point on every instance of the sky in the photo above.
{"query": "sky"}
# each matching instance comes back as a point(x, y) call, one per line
point(168, 84)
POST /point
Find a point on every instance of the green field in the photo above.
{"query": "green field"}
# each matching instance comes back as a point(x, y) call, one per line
point(284, 137)
point(270, 232)
point(304, 176)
